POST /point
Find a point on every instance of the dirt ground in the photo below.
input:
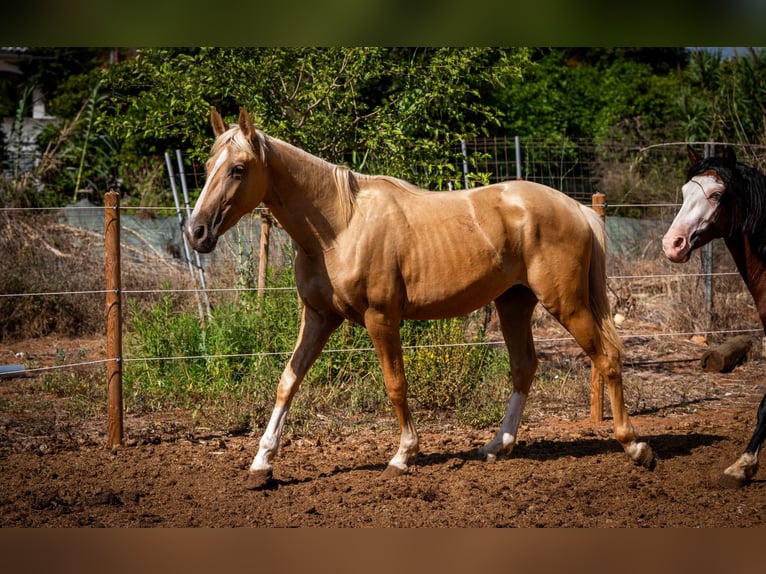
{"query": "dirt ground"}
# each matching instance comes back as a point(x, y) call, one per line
point(565, 472)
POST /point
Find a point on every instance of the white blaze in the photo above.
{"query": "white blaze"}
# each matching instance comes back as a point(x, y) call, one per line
point(218, 163)
point(697, 210)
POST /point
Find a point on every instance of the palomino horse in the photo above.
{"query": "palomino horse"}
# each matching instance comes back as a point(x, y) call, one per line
point(376, 250)
point(723, 198)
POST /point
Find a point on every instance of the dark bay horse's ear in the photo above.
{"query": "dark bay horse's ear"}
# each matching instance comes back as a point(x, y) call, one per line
point(694, 157)
point(246, 124)
point(729, 157)
point(219, 126)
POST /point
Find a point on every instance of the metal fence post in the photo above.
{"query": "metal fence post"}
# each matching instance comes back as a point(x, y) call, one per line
point(183, 236)
point(200, 270)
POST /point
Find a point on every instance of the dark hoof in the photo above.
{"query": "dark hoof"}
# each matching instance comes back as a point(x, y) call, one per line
point(647, 459)
point(729, 481)
point(258, 479)
point(392, 472)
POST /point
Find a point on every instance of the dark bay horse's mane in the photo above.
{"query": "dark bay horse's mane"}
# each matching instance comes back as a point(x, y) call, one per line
point(744, 198)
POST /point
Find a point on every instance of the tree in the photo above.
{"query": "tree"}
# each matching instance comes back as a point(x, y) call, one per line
point(587, 93)
point(375, 109)
point(723, 98)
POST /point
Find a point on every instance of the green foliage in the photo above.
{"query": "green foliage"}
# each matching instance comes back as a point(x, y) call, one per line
point(398, 111)
point(373, 108)
point(571, 97)
point(723, 99)
point(233, 364)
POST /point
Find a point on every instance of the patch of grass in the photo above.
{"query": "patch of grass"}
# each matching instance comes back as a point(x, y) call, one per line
point(235, 361)
point(84, 391)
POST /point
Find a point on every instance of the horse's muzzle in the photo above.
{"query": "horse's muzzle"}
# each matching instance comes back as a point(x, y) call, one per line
point(677, 248)
point(200, 236)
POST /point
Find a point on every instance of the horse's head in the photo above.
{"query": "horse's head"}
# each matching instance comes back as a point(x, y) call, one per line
point(235, 185)
point(703, 215)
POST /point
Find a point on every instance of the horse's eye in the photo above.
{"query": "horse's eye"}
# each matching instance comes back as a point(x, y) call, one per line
point(237, 171)
point(715, 196)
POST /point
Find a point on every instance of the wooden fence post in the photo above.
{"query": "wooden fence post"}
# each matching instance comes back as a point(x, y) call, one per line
point(113, 318)
point(598, 202)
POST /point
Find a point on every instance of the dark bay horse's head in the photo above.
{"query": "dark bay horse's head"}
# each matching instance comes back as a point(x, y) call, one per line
point(703, 215)
point(235, 184)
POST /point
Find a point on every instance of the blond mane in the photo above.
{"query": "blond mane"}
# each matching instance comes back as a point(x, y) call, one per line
point(346, 184)
point(235, 136)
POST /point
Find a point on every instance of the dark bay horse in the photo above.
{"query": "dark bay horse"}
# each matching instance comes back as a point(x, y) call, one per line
point(723, 198)
point(376, 250)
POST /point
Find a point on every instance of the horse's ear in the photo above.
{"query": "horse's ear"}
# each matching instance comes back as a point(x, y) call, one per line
point(246, 124)
point(694, 157)
point(729, 157)
point(219, 126)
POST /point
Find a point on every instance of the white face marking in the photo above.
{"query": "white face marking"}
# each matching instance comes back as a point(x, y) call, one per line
point(701, 194)
point(218, 163)
point(700, 200)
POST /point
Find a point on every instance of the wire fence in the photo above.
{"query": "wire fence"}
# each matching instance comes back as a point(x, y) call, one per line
point(137, 292)
point(578, 168)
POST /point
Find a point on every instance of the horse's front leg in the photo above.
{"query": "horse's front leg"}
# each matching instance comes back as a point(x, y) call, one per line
point(384, 332)
point(743, 470)
point(316, 328)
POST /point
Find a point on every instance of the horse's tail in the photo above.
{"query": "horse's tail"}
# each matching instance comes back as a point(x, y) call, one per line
point(599, 302)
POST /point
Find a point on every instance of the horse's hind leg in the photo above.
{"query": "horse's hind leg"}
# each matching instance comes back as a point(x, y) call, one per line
point(606, 357)
point(514, 309)
point(316, 328)
point(742, 472)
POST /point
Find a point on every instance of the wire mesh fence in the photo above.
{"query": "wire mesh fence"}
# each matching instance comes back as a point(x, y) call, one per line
point(152, 245)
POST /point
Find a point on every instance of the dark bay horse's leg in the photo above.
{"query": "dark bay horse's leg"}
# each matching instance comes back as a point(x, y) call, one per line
point(514, 309)
point(316, 328)
point(384, 332)
point(743, 471)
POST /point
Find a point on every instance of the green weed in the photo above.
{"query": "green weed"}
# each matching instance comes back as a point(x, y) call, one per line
point(233, 363)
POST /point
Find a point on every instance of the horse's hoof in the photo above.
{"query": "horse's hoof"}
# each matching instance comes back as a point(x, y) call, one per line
point(646, 458)
point(731, 481)
point(392, 472)
point(487, 453)
point(257, 479)
point(487, 456)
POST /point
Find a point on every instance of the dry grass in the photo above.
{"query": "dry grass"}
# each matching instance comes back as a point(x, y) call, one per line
point(42, 255)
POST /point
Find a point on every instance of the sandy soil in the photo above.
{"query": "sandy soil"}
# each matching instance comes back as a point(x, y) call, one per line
point(566, 471)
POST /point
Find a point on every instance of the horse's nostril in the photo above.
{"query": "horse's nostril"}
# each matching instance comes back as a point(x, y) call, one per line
point(218, 220)
point(200, 232)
